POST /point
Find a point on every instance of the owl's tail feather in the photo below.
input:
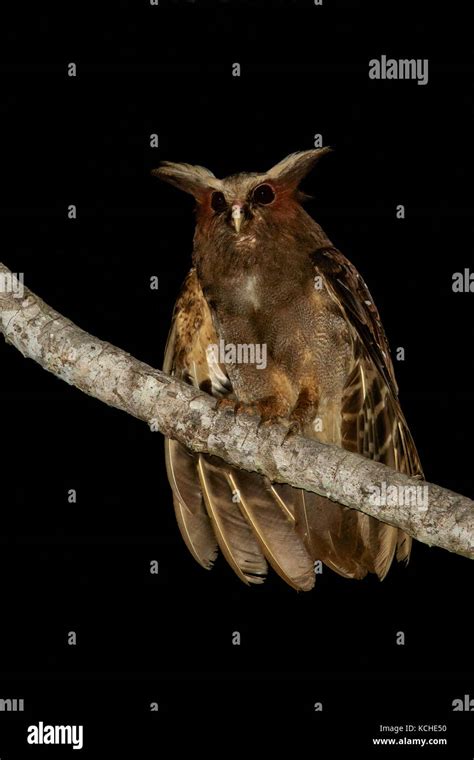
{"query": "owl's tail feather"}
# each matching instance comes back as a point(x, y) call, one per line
point(329, 534)
point(219, 506)
point(191, 515)
point(349, 542)
point(233, 533)
point(329, 531)
point(254, 523)
point(274, 527)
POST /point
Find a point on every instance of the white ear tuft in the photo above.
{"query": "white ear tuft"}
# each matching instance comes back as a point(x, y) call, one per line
point(196, 180)
point(292, 169)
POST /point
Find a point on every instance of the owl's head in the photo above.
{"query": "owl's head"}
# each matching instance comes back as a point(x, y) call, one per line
point(243, 204)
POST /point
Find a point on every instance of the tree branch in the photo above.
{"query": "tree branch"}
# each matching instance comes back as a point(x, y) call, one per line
point(439, 517)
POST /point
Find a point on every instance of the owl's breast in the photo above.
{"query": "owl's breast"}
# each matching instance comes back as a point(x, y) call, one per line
point(304, 333)
point(250, 294)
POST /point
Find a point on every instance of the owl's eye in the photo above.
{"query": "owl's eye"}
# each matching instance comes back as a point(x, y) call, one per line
point(264, 194)
point(218, 201)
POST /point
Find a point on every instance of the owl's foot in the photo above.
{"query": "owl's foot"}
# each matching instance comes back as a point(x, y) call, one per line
point(271, 409)
point(302, 414)
point(226, 404)
point(237, 407)
point(295, 427)
point(304, 411)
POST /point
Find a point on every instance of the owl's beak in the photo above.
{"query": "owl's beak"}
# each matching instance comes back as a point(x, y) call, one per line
point(237, 216)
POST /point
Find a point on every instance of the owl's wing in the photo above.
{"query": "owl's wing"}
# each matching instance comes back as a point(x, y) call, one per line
point(217, 505)
point(372, 424)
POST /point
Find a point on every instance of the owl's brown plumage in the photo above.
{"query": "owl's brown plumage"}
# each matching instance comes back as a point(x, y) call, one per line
point(266, 274)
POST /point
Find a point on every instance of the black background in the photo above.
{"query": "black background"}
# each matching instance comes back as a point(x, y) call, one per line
point(85, 566)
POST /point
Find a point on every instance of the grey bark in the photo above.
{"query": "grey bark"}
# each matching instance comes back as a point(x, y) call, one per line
point(444, 519)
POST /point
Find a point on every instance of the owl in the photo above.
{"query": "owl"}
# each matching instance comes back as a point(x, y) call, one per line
point(273, 320)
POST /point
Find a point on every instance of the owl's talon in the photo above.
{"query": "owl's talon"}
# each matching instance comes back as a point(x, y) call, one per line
point(241, 408)
point(228, 405)
point(225, 405)
point(236, 407)
point(294, 429)
point(263, 422)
